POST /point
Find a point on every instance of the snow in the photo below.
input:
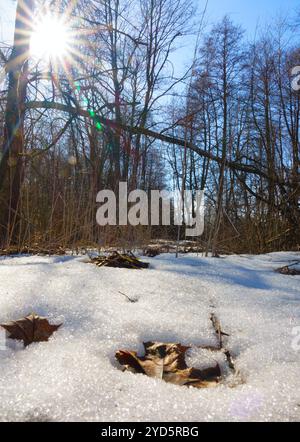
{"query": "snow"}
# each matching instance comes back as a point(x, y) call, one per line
point(295, 266)
point(75, 377)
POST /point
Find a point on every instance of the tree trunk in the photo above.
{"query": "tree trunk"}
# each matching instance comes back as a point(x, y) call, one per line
point(12, 161)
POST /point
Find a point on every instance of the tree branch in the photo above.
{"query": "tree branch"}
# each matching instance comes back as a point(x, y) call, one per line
point(148, 133)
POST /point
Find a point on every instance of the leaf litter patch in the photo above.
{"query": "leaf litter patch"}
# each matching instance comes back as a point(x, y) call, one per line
point(166, 361)
point(35, 250)
point(120, 260)
point(292, 269)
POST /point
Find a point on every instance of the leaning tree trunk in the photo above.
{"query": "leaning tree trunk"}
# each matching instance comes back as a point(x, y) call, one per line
point(12, 160)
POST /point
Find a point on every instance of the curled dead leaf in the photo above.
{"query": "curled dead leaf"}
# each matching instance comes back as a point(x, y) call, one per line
point(291, 270)
point(32, 328)
point(167, 362)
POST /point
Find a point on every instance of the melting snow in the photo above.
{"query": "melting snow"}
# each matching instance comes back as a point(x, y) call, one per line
point(75, 377)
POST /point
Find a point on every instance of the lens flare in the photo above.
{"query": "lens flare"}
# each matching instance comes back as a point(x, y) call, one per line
point(50, 39)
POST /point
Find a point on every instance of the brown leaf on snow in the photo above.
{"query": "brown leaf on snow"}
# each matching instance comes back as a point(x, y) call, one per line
point(30, 329)
point(167, 362)
point(292, 270)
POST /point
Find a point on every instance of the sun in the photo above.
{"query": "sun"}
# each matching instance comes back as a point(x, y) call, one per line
point(50, 39)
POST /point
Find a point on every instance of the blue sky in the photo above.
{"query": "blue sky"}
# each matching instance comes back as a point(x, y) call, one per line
point(6, 19)
point(248, 13)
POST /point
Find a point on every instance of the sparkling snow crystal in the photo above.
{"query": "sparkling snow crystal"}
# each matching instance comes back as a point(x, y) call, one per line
point(75, 376)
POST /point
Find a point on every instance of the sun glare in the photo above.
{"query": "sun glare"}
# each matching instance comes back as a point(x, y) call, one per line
point(50, 39)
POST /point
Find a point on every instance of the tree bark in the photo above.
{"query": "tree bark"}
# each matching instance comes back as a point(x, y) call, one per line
point(12, 162)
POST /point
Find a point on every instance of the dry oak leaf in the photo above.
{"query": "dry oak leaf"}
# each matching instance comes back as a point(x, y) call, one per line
point(32, 328)
point(167, 362)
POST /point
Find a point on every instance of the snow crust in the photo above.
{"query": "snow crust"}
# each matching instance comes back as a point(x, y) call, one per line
point(74, 376)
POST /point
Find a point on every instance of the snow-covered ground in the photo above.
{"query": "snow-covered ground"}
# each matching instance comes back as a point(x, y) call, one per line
point(75, 376)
